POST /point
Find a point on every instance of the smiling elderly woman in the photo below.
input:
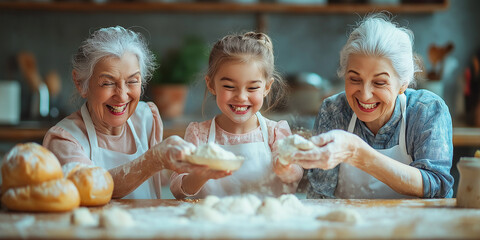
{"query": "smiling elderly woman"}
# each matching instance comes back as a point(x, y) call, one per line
point(114, 129)
point(379, 139)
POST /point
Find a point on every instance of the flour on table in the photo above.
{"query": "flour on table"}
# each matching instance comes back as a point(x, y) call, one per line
point(290, 145)
point(342, 215)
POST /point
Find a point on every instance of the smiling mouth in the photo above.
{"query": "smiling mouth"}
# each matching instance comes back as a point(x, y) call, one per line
point(239, 109)
point(117, 110)
point(367, 106)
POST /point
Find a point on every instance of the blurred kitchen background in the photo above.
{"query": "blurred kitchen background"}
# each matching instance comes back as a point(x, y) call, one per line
point(38, 38)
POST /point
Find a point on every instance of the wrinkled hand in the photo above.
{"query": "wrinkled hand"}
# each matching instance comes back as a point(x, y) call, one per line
point(171, 153)
point(334, 147)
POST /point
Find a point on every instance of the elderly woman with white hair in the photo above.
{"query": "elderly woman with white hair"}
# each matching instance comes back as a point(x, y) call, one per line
point(114, 129)
point(379, 138)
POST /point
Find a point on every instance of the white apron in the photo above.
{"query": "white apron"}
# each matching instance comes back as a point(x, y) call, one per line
point(255, 176)
point(108, 159)
point(355, 183)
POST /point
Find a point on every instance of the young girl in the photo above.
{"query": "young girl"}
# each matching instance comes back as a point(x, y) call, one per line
point(240, 75)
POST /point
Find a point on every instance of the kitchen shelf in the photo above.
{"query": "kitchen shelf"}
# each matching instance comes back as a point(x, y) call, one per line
point(207, 7)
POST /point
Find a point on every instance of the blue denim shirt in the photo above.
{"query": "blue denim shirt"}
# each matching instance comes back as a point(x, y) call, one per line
point(428, 136)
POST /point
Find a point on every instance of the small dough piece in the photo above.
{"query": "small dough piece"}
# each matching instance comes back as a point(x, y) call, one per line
point(205, 213)
point(342, 215)
point(215, 157)
point(52, 196)
point(116, 217)
point(271, 208)
point(29, 163)
point(83, 217)
point(94, 184)
point(291, 144)
point(477, 154)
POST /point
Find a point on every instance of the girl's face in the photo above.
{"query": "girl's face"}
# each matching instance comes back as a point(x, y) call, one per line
point(371, 87)
point(114, 92)
point(239, 88)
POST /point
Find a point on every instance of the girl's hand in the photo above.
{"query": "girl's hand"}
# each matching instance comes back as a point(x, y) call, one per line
point(287, 173)
point(206, 173)
point(334, 147)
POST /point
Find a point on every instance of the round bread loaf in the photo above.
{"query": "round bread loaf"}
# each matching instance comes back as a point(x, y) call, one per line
point(27, 164)
point(52, 196)
point(71, 167)
point(94, 184)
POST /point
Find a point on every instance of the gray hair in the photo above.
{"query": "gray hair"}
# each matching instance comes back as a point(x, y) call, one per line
point(378, 36)
point(112, 41)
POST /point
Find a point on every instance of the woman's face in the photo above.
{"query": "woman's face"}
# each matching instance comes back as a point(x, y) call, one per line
point(371, 87)
point(114, 92)
point(239, 88)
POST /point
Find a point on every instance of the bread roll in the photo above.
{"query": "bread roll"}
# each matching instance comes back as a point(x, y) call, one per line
point(52, 196)
point(94, 184)
point(27, 164)
point(71, 167)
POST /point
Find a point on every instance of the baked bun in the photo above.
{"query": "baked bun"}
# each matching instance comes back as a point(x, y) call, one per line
point(71, 167)
point(94, 184)
point(52, 196)
point(27, 164)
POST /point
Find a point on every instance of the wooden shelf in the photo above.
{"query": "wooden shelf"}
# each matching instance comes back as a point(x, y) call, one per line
point(221, 7)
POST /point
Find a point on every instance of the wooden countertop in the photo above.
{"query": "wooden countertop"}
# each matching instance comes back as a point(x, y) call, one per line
point(167, 219)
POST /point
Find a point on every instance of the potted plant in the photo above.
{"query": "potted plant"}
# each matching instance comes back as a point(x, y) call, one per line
point(177, 69)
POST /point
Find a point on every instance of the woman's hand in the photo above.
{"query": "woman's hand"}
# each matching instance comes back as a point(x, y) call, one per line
point(333, 147)
point(171, 153)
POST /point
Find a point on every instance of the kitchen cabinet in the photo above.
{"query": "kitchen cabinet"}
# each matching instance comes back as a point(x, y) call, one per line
point(259, 9)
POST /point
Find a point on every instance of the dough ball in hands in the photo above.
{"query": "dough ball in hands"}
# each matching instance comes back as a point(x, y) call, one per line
point(94, 184)
point(52, 196)
point(291, 144)
point(29, 163)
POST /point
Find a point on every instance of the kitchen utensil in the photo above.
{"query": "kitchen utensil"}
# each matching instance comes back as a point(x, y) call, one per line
point(10, 102)
point(40, 96)
point(437, 55)
point(468, 194)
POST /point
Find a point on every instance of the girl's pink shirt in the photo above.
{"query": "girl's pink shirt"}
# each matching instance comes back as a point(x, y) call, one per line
point(197, 133)
point(67, 149)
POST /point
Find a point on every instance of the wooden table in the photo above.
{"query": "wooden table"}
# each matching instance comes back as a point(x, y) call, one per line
point(167, 219)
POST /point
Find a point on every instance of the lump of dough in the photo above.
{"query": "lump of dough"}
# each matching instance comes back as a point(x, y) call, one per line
point(27, 164)
point(116, 217)
point(291, 203)
point(215, 157)
point(204, 213)
point(271, 208)
point(83, 217)
point(291, 144)
point(210, 201)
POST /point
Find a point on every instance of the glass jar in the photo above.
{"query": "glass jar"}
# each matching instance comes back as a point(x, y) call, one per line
point(468, 194)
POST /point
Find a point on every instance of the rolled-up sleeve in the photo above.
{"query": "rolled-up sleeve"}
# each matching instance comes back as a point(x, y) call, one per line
point(430, 138)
